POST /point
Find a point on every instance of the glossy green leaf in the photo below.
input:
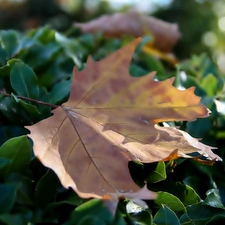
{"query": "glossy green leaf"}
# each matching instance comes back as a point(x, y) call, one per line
point(14, 112)
point(199, 127)
point(142, 218)
point(165, 216)
point(5, 70)
point(209, 84)
point(46, 188)
point(200, 214)
point(4, 162)
point(24, 81)
point(7, 132)
point(218, 219)
point(137, 71)
point(72, 47)
point(7, 196)
point(213, 199)
point(24, 195)
point(9, 44)
point(59, 91)
point(31, 110)
point(93, 208)
point(171, 201)
point(44, 34)
point(119, 218)
point(185, 193)
point(158, 174)
point(19, 151)
point(39, 55)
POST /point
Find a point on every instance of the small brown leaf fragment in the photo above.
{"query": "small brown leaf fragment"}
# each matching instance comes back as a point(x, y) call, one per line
point(135, 24)
point(174, 155)
point(205, 162)
point(109, 120)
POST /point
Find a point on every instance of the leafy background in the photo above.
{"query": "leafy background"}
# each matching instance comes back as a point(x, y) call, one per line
point(37, 63)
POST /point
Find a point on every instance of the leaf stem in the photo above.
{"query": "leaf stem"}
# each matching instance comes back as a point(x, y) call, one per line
point(31, 100)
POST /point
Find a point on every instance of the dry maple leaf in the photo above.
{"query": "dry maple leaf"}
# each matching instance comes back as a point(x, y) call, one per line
point(109, 120)
point(136, 24)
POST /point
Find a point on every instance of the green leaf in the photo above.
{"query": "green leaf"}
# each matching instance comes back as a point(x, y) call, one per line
point(119, 219)
point(19, 151)
point(171, 201)
point(218, 219)
point(137, 71)
point(94, 208)
point(39, 55)
point(9, 44)
point(46, 188)
point(91, 220)
point(142, 218)
point(59, 91)
point(31, 110)
point(213, 199)
point(5, 70)
point(10, 131)
point(158, 174)
point(44, 34)
point(4, 162)
point(199, 127)
point(165, 216)
point(200, 214)
point(22, 217)
point(14, 112)
point(71, 46)
point(24, 80)
point(209, 84)
point(7, 196)
point(185, 193)
point(24, 195)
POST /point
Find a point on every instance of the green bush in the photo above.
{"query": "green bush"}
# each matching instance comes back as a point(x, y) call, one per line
point(38, 64)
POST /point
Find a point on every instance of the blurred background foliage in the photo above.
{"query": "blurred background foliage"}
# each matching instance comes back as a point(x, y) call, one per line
point(45, 58)
point(201, 22)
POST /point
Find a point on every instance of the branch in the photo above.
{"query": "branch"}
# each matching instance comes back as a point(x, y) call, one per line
point(31, 100)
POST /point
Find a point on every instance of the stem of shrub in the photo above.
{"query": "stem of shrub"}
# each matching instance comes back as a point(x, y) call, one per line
point(31, 100)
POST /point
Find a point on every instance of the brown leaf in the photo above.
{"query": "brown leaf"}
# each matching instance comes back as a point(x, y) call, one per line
point(135, 24)
point(109, 120)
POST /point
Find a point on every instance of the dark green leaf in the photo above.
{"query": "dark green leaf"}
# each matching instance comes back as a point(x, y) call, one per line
point(209, 84)
point(18, 150)
point(7, 196)
point(39, 55)
point(170, 201)
point(31, 110)
point(24, 80)
point(185, 193)
point(213, 199)
point(21, 218)
point(158, 174)
point(46, 188)
point(5, 70)
point(4, 162)
point(72, 47)
point(24, 195)
point(59, 91)
point(165, 216)
point(200, 214)
point(93, 208)
point(142, 218)
point(7, 132)
point(9, 44)
point(91, 220)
